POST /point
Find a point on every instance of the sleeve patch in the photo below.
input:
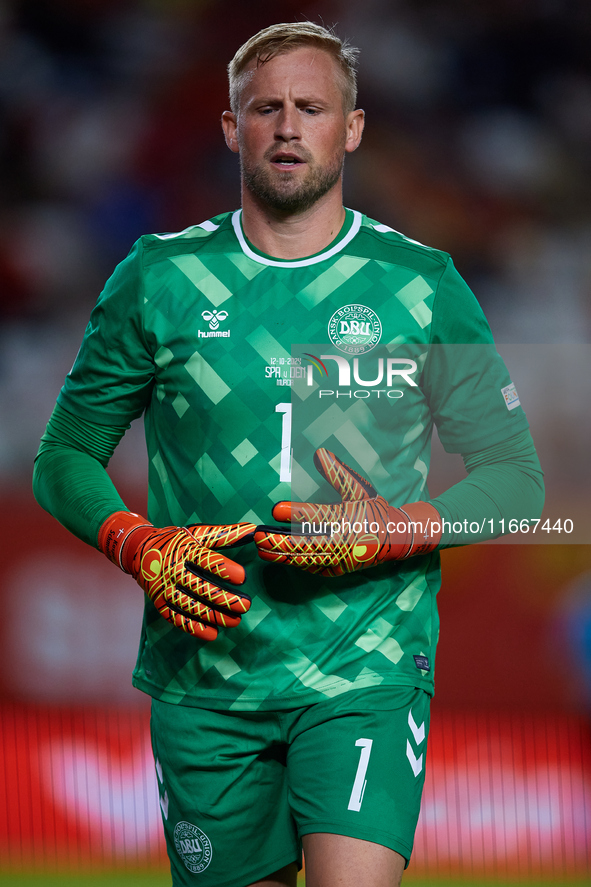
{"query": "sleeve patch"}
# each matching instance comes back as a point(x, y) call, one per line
point(509, 392)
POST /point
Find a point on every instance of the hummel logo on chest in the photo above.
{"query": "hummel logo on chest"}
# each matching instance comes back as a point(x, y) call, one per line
point(213, 318)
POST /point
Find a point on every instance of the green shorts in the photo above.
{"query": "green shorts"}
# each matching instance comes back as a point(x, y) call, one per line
point(239, 789)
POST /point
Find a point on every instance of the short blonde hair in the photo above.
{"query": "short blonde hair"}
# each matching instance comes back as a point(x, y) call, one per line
point(278, 39)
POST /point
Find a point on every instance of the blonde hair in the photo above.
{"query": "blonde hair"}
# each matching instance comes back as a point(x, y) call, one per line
point(278, 39)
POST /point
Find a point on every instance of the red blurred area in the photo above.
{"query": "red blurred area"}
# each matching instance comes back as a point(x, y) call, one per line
point(503, 644)
point(506, 796)
point(77, 789)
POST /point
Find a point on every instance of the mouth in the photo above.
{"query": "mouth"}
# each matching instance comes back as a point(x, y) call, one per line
point(283, 160)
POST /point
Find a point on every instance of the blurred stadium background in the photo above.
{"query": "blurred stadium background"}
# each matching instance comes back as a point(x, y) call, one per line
point(478, 142)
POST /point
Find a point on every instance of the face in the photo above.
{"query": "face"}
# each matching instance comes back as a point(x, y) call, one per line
point(291, 132)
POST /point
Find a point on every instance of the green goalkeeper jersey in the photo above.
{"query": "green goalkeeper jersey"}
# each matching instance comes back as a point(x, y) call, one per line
point(243, 365)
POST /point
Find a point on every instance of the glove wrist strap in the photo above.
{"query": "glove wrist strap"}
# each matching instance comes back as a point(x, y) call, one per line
point(425, 528)
point(115, 531)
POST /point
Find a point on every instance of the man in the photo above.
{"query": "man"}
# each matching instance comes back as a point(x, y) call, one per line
point(290, 691)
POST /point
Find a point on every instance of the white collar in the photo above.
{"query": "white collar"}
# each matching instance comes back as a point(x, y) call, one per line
point(296, 263)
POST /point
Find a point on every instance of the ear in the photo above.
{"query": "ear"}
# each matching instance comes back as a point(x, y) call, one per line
point(355, 122)
point(230, 127)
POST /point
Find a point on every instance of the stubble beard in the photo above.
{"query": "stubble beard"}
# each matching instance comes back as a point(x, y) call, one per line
point(287, 196)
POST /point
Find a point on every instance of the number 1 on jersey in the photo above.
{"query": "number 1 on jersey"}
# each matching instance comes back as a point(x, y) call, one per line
point(285, 465)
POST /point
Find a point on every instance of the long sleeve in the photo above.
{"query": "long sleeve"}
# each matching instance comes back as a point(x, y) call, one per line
point(70, 480)
point(505, 482)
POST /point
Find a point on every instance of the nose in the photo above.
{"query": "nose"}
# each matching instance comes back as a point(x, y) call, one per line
point(288, 124)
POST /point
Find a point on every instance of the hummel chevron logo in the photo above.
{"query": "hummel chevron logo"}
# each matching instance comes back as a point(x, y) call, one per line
point(214, 318)
point(417, 732)
point(415, 763)
point(164, 802)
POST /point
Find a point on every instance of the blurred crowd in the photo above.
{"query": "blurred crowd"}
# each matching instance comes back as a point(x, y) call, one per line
point(478, 141)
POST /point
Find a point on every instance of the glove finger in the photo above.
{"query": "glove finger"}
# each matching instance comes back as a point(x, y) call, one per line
point(319, 550)
point(202, 561)
point(288, 559)
point(212, 606)
point(318, 553)
point(212, 596)
point(282, 511)
point(222, 535)
point(308, 511)
point(365, 510)
point(190, 625)
point(271, 538)
point(307, 552)
point(302, 562)
point(348, 483)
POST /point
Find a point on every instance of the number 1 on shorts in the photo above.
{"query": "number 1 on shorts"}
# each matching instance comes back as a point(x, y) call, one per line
point(360, 782)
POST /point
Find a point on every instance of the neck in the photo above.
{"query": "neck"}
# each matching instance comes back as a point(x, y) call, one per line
point(293, 235)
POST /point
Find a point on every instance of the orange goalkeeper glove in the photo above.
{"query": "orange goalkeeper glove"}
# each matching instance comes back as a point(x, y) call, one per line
point(359, 532)
point(181, 570)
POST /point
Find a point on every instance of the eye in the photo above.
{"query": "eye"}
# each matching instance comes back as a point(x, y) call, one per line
point(311, 111)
